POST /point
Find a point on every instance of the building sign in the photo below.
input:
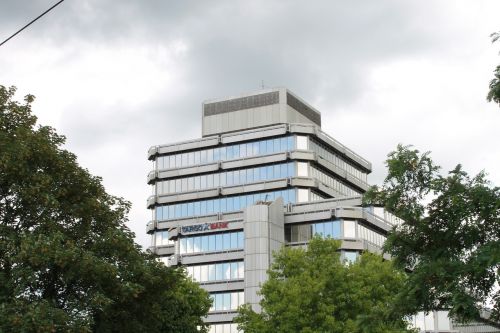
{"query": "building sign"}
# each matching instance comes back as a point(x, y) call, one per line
point(205, 227)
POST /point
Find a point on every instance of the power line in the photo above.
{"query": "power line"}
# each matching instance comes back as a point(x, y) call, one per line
point(27, 25)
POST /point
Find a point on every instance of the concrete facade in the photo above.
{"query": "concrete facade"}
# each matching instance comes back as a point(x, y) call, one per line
point(262, 176)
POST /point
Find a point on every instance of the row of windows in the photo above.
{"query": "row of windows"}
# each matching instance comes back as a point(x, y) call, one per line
point(334, 158)
point(370, 235)
point(217, 272)
point(160, 238)
point(227, 301)
point(221, 205)
point(334, 229)
point(215, 242)
point(225, 153)
point(223, 328)
point(333, 183)
point(226, 178)
point(304, 232)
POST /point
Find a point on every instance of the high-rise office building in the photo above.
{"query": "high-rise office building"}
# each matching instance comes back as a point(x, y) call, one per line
point(262, 176)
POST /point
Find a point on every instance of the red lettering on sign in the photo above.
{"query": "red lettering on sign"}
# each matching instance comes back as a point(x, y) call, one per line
point(219, 225)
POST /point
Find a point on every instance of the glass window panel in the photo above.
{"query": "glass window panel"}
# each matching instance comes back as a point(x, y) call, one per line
point(211, 242)
point(234, 240)
point(270, 172)
point(203, 156)
point(249, 176)
point(236, 151)
point(349, 229)
point(216, 206)
point(227, 301)
point(211, 273)
point(218, 242)
point(293, 196)
point(223, 205)
point(210, 155)
point(191, 158)
point(210, 206)
point(196, 244)
point(237, 203)
point(222, 152)
point(241, 298)
point(291, 169)
point(203, 181)
point(203, 207)
point(178, 211)
point(241, 270)
point(196, 273)
point(196, 208)
point(269, 146)
point(218, 272)
point(184, 159)
point(177, 160)
point(243, 176)
point(350, 256)
point(183, 245)
point(229, 202)
point(277, 171)
point(159, 213)
point(276, 145)
point(183, 210)
point(226, 271)
point(234, 300)
point(243, 150)
point(210, 181)
point(256, 174)
point(336, 229)
point(241, 241)
point(319, 229)
point(229, 152)
point(229, 178)
point(216, 180)
point(222, 179)
point(226, 241)
point(204, 273)
point(189, 245)
point(171, 162)
point(250, 149)
point(171, 186)
point(262, 147)
point(216, 154)
point(204, 243)
point(328, 232)
point(190, 209)
point(283, 170)
point(234, 270)
point(197, 157)
point(218, 302)
point(255, 148)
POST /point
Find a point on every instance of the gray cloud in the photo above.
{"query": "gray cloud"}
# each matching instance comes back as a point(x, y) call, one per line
point(119, 76)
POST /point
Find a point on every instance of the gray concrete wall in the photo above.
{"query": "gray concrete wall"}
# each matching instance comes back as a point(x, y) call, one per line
point(264, 234)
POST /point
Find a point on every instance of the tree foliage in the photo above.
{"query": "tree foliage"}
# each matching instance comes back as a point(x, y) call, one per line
point(494, 92)
point(450, 237)
point(311, 290)
point(68, 262)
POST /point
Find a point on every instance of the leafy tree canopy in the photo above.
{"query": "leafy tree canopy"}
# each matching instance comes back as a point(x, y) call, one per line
point(494, 92)
point(311, 290)
point(68, 262)
point(450, 237)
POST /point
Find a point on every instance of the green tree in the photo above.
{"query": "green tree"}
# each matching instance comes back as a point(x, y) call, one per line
point(311, 290)
point(494, 93)
point(68, 262)
point(450, 237)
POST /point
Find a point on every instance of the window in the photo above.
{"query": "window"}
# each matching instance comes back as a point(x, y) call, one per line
point(227, 301)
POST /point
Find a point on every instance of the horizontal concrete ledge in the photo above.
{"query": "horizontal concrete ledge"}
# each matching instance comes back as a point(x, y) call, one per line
point(211, 257)
point(220, 317)
point(217, 286)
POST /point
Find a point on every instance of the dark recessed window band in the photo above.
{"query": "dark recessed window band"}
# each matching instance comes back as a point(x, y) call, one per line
point(241, 103)
point(303, 109)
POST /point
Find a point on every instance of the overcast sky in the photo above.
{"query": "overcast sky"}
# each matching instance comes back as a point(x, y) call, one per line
point(117, 77)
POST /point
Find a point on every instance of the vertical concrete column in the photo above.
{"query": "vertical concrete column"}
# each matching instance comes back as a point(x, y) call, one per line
point(264, 234)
